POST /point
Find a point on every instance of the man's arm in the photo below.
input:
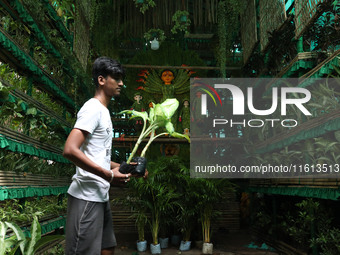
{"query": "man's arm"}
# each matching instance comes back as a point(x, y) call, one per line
point(73, 153)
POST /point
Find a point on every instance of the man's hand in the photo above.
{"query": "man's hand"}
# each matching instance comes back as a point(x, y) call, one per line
point(119, 177)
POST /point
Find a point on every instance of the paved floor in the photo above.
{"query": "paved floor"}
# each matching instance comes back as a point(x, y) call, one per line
point(226, 244)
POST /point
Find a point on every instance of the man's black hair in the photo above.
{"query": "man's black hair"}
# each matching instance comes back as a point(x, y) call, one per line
point(105, 66)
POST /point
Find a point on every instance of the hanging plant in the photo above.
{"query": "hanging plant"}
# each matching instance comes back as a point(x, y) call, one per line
point(155, 33)
point(144, 5)
point(182, 22)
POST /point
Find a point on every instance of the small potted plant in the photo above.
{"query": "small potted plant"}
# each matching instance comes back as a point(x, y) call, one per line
point(155, 33)
point(182, 22)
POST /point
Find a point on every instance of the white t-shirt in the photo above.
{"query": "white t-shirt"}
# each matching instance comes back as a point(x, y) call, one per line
point(94, 118)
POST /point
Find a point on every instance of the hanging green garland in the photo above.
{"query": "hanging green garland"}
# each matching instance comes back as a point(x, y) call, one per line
point(144, 5)
point(182, 22)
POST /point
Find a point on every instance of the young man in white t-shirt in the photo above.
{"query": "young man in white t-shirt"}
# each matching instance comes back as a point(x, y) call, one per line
point(89, 228)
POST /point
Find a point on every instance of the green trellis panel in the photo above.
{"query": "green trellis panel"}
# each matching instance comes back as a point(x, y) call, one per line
point(272, 16)
point(305, 11)
point(248, 30)
point(11, 193)
point(323, 193)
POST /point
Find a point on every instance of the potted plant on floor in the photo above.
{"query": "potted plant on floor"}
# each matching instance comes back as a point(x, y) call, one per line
point(137, 201)
point(141, 220)
point(188, 208)
point(162, 201)
point(209, 193)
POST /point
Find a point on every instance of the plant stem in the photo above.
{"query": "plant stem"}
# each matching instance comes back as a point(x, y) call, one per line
point(142, 135)
point(150, 141)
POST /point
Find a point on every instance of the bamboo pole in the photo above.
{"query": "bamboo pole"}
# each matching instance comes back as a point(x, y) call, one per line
point(180, 67)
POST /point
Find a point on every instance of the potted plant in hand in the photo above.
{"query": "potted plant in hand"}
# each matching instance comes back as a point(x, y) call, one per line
point(159, 116)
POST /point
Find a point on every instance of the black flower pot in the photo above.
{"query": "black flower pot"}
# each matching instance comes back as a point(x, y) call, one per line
point(138, 169)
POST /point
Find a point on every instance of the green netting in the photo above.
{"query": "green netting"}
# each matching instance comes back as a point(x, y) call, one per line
point(30, 21)
point(29, 149)
point(30, 65)
point(323, 193)
point(301, 64)
point(324, 70)
point(331, 125)
point(11, 193)
point(49, 226)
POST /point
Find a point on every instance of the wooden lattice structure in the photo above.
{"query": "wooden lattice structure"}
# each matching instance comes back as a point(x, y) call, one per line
point(269, 23)
point(305, 12)
point(249, 30)
point(82, 31)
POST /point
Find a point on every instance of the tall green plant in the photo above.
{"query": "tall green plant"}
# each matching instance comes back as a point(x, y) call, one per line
point(209, 192)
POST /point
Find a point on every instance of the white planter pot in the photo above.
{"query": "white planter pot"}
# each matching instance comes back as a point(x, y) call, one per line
point(185, 245)
point(155, 249)
point(207, 248)
point(142, 245)
point(164, 242)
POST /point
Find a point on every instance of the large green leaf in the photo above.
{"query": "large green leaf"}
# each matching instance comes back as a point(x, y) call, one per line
point(2, 247)
point(2, 230)
point(169, 127)
point(19, 233)
point(35, 236)
point(47, 239)
point(169, 107)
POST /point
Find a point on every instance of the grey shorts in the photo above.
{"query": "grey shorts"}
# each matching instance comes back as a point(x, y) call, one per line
point(89, 227)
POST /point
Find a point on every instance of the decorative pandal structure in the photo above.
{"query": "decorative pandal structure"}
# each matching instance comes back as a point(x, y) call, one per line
point(269, 23)
point(248, 30)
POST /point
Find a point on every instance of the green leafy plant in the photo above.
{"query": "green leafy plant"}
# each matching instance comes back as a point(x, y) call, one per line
point(144, 5)
point(155, 33)
point(189, 210)
point(160, 116)
point(209, 192)
point(28, 245)
point(182, 22)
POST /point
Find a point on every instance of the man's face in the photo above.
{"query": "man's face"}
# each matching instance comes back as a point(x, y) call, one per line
point(112, 87)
